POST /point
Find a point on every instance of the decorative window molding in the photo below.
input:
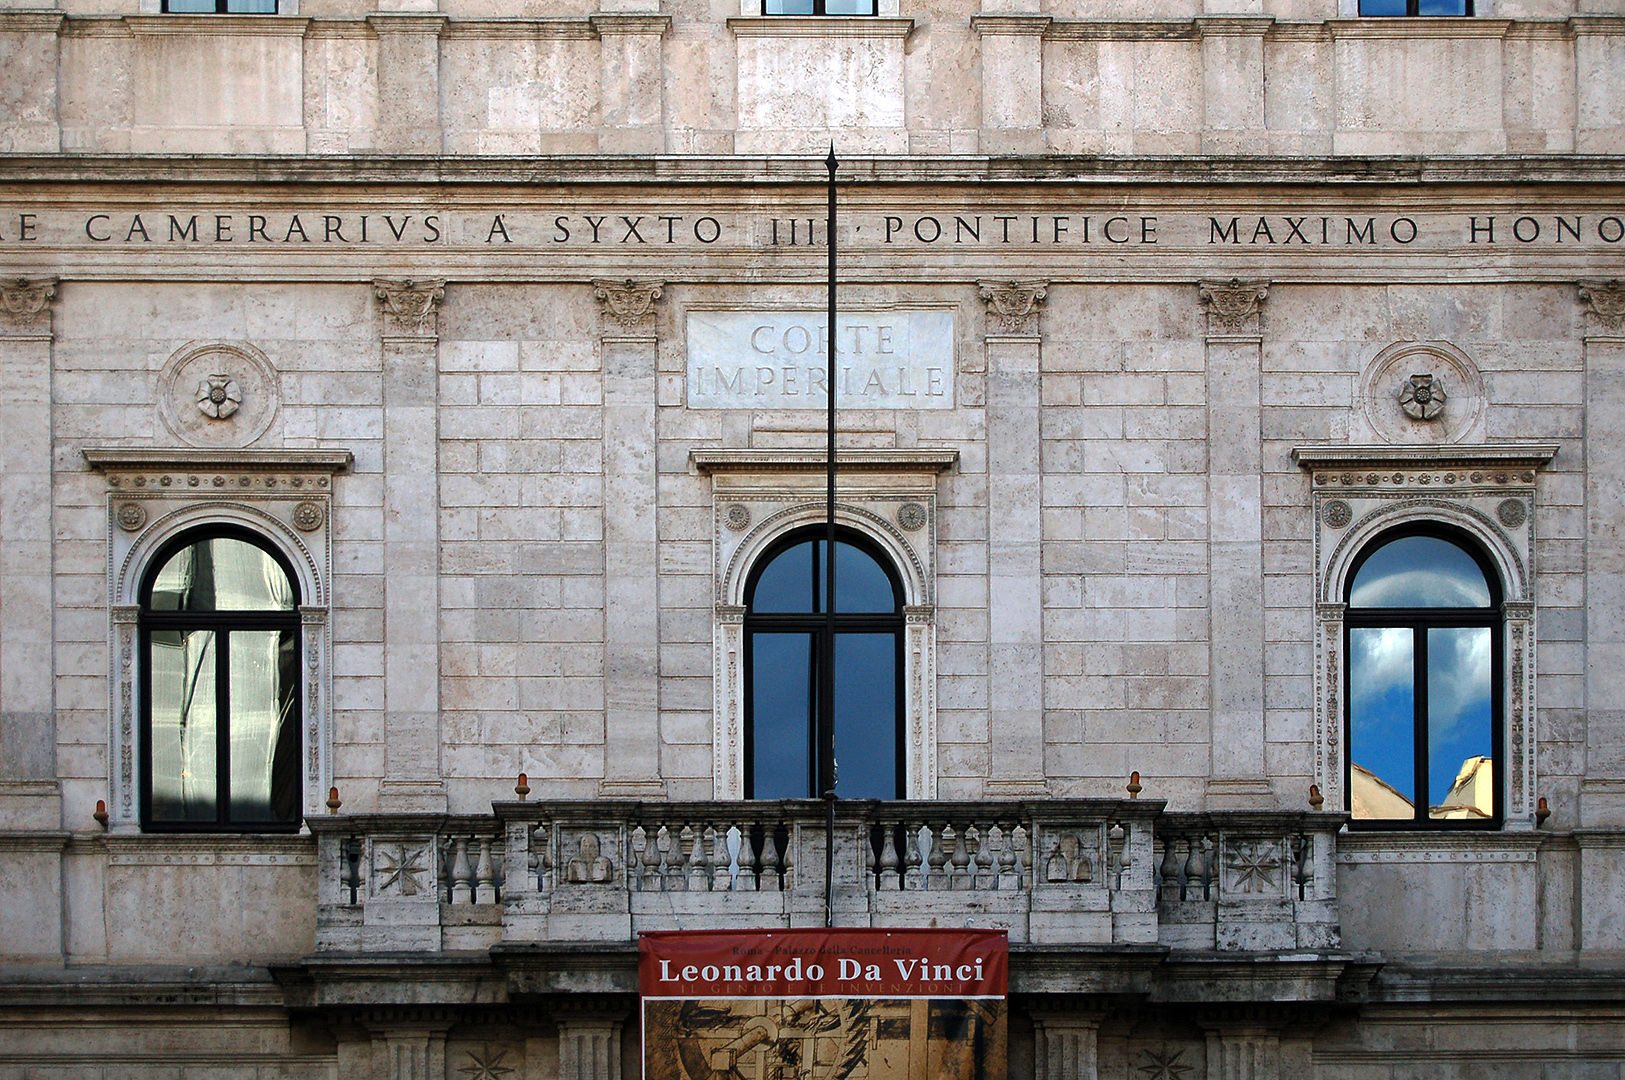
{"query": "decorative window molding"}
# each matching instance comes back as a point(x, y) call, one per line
point(154, 495)
point(889, 496)
point(1486, 492)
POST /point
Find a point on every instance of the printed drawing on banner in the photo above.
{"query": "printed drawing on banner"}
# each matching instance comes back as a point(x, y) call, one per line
point(824, 1005)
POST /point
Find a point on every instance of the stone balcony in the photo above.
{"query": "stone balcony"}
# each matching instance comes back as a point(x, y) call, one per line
point(1092, 875)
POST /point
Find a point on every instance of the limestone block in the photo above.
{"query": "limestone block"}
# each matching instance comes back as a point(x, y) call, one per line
point(28, 83)
point(31, 899)
point(798, 87)
point(254, 72)
point(1426, 94)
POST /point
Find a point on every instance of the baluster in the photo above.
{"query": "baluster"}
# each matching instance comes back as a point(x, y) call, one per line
point(768, 880)
point(1115, 837)
point(913, 880)
point(746, 881)
point(937, 876)
point(461, 872)
point(959, 858)
point(1018, 855)
point(1303, 871)
point(977, 869)
point(649, 872)
point(993, 857)
point(485, 884)
point(441, 845)
point(352, 859)
point(1168, 869)
point(637, 842)
point(789, 860)
point(665, 868)
point(721, 879)
point(888, 857)
point(1196, 867)
point(695, 874)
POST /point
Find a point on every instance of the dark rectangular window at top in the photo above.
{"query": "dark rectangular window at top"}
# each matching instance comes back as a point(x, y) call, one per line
point(220, 7)
point(1418, 8)
point(819, 7)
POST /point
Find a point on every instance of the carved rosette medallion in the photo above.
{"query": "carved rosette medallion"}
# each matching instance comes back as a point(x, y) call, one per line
point(736, 517)
point(1605, 304)
point(309, 516)
point(410, 308)
point(131, 516)
point(1013, 306)
point(628, 305)
point(1336, 514)
point(911, 517)
point(1233, 307)
point(1512, 513)
point(25, 303)
point(1422, 397)
point(218, 394)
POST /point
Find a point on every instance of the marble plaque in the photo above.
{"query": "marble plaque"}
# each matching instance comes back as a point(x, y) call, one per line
point(775, 360)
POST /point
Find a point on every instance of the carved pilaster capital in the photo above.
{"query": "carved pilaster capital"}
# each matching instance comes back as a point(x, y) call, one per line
point(410, 308)
point(1013, 306)
point(730, 613)
point(628, 305)
point(1605, 305)
point(25, 304)
point(1232, 307)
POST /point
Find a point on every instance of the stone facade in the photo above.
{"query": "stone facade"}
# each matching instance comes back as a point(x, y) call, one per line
point(500, 323)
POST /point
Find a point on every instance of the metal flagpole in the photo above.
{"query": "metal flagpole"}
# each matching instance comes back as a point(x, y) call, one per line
point(826, 689)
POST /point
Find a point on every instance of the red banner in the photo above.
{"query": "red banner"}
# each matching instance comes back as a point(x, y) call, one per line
point(824, 963)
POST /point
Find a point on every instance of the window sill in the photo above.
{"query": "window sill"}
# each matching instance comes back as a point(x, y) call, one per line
point(820, 26)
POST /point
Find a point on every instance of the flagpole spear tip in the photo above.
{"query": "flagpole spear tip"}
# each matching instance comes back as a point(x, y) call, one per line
point(830, 161)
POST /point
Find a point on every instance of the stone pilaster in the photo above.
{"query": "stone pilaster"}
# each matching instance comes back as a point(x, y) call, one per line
point(589, 1045)
point(1012, 80)
point(1065, 1044)
point(1239, 1052)
point(1236, 777)
point(631, 578)
point(1233, 83)
point(408, 81)
point(408, 1046)
point(28, 787)
point(1602, 792)
point(411, 553)
point(33, 56)
point(630, 52)
point(1014, 506)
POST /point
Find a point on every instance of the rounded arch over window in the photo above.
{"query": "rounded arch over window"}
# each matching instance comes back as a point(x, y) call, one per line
point(791, 645)
point(1424, 710)
point(220, 684)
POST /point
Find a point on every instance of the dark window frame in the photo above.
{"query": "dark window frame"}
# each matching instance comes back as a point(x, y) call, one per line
point(820, 11)
point(1413, 10)
point(811, 623)
point(221, 7)
point(223, 623)
point(1419, 620)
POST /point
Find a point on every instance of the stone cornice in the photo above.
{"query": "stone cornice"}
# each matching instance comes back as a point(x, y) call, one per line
point(380, 169)
point(820, 26)
point(163, 457)
point(1504, 455)
point(213, 25)
point(711, 461)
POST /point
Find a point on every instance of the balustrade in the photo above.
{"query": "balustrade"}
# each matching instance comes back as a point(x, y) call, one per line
point(1047, 871)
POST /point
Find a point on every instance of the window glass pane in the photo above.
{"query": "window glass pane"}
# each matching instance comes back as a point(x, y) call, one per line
point(1461, 778)
point(182, 670)
point(1419, 571)
point(1442, 7)
point(849, 7)
point(787, 7)
point(221, 574)
point(1382, 722)
point(866, 716)
point(251, 7)
point(792, 584)
point(264, 732)
point(781, 715)
point(190, 7)
point(1382, 7)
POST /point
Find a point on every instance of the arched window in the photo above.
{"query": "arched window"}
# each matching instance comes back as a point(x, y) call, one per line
point(785, 656)
point(220, 686)
point(1424, 683)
